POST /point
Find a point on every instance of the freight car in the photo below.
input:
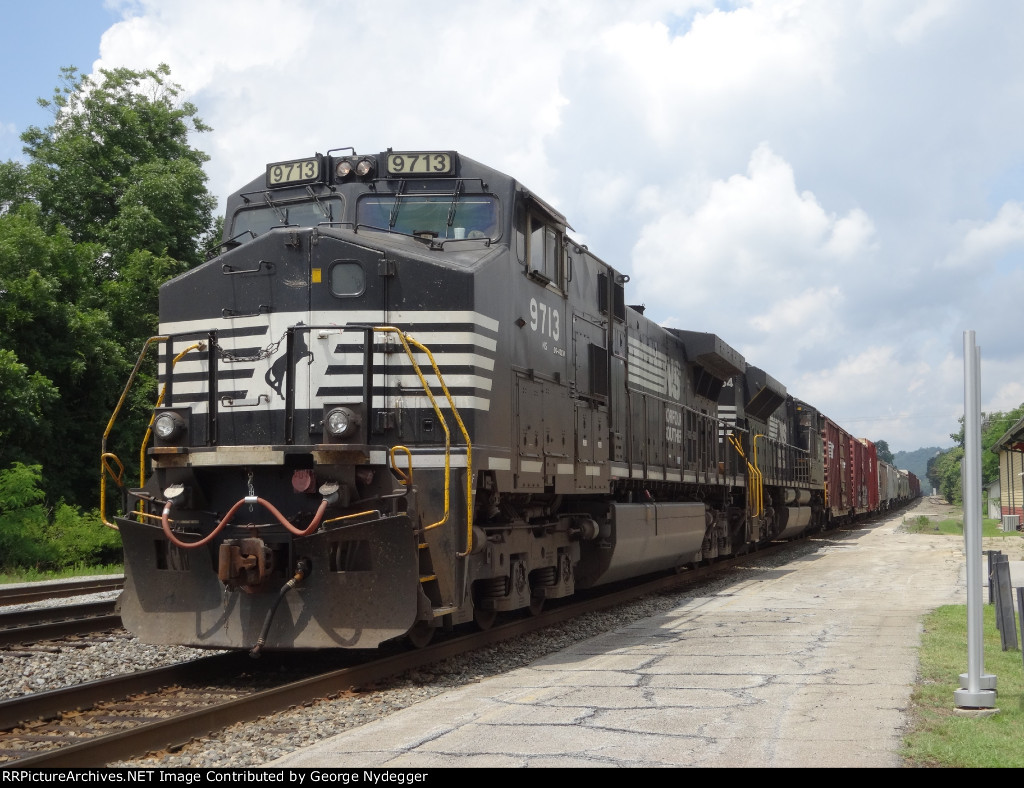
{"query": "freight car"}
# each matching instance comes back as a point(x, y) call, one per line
point(402, 397)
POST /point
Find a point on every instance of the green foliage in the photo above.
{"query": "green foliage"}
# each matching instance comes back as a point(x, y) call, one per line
point(33, 575)
point(24, 397)
point(990, 529)
point(61, 354)
point(22, 516)
point(111, 204)
point(19, 487)
point(116, 163)
point(944, 469)
point(994, 427)
point(13, 186)
point(944, 474)
point(884, 453)
point(33, 536)
point(77, 538)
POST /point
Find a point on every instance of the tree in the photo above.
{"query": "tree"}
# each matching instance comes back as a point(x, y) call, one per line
point(884, 453)
point(944, 469)
point(116, 167)
point(944, 474)
point(112, 203)
point(60, 354)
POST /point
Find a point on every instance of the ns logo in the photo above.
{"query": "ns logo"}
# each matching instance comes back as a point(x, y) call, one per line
point(675, 379)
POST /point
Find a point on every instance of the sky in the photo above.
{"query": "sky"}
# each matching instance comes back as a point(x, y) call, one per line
point(834, 188)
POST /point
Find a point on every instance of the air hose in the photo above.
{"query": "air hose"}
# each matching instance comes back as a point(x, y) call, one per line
point(301, 570)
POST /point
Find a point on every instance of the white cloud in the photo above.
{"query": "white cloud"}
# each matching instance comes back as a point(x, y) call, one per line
point(757, 256)
point(984, 242)
point(831, 187)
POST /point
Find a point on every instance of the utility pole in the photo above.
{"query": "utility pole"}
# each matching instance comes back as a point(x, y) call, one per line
point(977, 688)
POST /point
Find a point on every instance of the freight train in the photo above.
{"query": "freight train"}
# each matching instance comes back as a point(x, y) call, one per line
point(402, 397)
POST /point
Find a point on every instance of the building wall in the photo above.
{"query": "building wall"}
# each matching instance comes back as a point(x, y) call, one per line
point(1011, 485)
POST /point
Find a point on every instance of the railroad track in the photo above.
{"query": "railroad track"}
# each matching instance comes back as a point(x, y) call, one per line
point(36, 592)
point(127, 716)
point(39, 624)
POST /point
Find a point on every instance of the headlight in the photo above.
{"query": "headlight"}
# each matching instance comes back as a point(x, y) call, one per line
point(169, 426)
point(341, 422)
point(364, 168)
point(343, 168)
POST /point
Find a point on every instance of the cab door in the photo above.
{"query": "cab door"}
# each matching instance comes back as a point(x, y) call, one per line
point(265, 292)
point(349, 287)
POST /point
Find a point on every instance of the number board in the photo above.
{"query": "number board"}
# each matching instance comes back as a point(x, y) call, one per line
point(292, 173)
point(423, 163)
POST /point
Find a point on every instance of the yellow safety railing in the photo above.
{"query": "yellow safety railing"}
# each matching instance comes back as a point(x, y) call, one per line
point(159, 402)
point(755, 475)
point(106, 457)
point(407, 340)
point(403, 477)
point(760, 473)
point(109, 459)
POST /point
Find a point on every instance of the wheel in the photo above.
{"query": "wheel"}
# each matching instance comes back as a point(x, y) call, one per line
point(484, 619)
point(420, 634)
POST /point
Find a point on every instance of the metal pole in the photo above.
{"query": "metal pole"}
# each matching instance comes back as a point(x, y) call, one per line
point(977, 691)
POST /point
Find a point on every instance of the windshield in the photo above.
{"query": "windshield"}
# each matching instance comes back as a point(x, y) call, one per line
point(468, 216)
point(304, 213)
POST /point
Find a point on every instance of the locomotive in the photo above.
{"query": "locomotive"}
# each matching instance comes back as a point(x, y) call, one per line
point(401, 397)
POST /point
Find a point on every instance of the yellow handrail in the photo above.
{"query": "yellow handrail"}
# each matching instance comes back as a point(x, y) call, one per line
point(403, 477)
point(159, 402)
point(105, 456)
point(756, 478)
point(760, 474)
point(406, 340)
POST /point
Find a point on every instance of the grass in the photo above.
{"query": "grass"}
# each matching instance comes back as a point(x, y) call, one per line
point(940, 737)
point(33, 575)
point(955, 525)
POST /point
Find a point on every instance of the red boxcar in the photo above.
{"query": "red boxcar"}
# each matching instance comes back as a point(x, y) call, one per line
point(869, 482)
point(838, 495)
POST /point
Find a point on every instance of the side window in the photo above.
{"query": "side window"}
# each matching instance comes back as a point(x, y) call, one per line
point(545, 254)
point(346, 278)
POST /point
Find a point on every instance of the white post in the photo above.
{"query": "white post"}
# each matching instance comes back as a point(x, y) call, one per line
point(977, 689)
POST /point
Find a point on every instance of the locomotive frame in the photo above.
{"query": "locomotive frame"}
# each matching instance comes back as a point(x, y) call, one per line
point(401, 397)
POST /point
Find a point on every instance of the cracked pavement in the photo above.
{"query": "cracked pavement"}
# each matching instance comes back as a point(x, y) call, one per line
point(807, 665)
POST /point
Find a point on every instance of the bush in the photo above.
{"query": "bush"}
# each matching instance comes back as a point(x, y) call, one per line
point(33, 536)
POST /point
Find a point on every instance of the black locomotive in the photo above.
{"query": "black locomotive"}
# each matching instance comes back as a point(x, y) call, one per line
point(402, 397)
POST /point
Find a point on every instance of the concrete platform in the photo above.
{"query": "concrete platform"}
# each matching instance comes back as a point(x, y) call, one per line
point(808, 665)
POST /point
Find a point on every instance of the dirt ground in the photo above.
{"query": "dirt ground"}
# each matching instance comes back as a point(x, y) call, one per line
point(935, 508)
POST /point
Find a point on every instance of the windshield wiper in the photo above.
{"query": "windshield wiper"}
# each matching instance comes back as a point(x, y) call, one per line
point(455, 202)
point(325, 211)
point(281, 213)
point(394, 208)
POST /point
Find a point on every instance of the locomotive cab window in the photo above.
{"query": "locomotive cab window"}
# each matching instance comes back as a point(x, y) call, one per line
point(347, 279)
point(445, 216)
point(250, 222)
point(539, 246)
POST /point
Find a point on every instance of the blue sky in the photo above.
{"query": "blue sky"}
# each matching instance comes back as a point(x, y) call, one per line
point(37, 39)
point(836, 189)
